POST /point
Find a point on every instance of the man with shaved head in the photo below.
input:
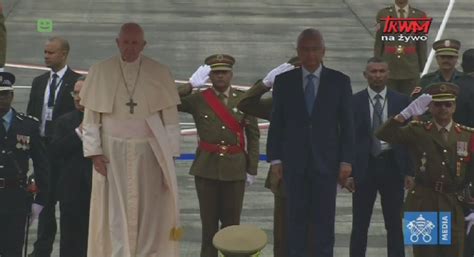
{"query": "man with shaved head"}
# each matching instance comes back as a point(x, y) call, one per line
point(311, 144)
point(49, 99)
point(131, 133)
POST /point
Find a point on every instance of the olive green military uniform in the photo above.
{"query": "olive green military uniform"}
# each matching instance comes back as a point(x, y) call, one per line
point(406, 60)
point(220, 176)
point(252, 103)
point(441, 168)
point(3, 39)
point(443, 47)
point(436, 76)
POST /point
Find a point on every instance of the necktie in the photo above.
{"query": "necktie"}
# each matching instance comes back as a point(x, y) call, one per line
point(3, 128)
point(222, 97)
point(444, 134)
point(309, 93)
point(52, 90)
point(376, 122)
point(401, 12)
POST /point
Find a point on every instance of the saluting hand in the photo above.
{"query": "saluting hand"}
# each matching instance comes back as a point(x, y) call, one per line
point(270, 77)
point(100, 164)
point(200, 76)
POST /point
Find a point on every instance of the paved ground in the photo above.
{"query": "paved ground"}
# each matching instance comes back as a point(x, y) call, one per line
point(259, 34)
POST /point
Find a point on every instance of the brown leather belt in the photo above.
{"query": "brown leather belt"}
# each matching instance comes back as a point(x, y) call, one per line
point(400, 50)
point(220, 149)
point(438, 186)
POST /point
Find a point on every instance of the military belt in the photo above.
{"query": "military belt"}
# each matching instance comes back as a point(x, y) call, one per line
point(220, 149)
point(400, 50)
point(438, 186)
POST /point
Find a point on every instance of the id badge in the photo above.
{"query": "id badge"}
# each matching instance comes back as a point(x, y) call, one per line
point(49, 114)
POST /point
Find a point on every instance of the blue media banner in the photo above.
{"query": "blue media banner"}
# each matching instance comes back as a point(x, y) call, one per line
point(445, 228)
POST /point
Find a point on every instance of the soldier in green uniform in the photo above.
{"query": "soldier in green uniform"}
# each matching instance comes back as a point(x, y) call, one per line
point(406, 60)
point(254, 104)
point(442, 151)
point(228, 149)
point(3, 39)
point(447, 54)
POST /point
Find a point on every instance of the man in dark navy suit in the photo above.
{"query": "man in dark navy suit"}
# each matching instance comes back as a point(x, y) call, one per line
point(19, 142)
point(49, 99)
point(311, 143)
point(379, 166)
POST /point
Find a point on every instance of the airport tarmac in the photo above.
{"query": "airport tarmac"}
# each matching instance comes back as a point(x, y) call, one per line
point(182, 33)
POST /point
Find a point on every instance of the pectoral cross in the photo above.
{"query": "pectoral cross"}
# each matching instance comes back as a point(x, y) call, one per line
point(131, 104)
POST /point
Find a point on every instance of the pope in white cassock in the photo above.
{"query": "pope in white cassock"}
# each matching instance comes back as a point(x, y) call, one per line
point(131, 132)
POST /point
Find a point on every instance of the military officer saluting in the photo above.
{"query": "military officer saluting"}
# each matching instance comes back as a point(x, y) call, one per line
point(443, 152)
point(19, 142)
point(228, 148)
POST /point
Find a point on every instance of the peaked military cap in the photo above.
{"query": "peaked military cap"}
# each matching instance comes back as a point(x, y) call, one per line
point(240, 240)
point(219, 62)
point(447, 47)
point(442, 91)
point(6, 81)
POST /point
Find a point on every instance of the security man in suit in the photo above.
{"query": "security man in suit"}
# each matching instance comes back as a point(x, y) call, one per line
point(256, 104)
point(442, 151)
point(228, 150)
point(3, 39)
point(19, 142)
point(406, 60)
point(50, 98)
point(379, 167)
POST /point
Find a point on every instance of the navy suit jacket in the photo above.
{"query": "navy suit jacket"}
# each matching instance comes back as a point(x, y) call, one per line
point(396, 102)
point(326, 137)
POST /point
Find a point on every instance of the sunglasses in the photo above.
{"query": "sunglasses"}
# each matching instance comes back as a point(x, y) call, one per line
point(445, 104)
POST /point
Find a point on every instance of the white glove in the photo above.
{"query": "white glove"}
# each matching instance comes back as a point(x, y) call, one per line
point(2, 69)
point(250, 179)
point(470, 222)
point(35, 212)
point(417, 107)
point(270, 77)
point(200, 76)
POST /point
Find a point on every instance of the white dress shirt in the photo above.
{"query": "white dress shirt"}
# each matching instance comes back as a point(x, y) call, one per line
point(384, 101)
point(59, 82)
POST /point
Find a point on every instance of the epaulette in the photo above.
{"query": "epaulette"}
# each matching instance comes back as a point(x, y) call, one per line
point(417, 10)
point(466, 128)
point(23, 116)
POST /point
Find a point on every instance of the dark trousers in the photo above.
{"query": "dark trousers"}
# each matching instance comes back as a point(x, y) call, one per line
point(381, 177)
point(404, 86)
point(12, 234)
point(311, 201)
point(469, 244)
point(219, 201)
point(47, 225)
point(74, 226)
point(47, 228)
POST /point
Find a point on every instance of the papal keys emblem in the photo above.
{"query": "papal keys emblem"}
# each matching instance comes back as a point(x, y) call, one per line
point(420, 228)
